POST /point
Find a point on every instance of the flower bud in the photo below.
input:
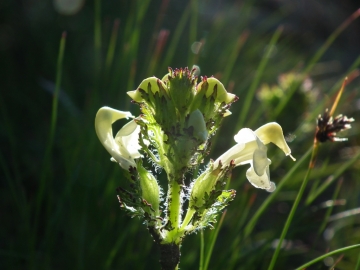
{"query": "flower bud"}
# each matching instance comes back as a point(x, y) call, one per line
point(150, 189)
point(196, 120)
point(181, 84)
point(203, 184)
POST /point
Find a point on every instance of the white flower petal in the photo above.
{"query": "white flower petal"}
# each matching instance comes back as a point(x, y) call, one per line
point(251, 141)
point(245, 135)
point(123, 149)
point(105, 117)
point(242, 153)
point(129, 144)
point(260, 161)
point(259, 181)
point(246, 155)
point(229, 155)
point(127, 129)
point(272, 188)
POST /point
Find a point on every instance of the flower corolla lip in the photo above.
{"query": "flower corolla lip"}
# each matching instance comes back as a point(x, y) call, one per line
point(211, 85)
point(151, 83)
point(124, 148)
point(251, 149)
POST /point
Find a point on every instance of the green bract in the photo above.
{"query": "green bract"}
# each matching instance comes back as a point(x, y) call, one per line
point(150, 190)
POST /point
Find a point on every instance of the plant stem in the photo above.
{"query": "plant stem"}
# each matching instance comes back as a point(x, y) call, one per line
point(169, 252)
point(169, 256)
point(201, 265)
point(295, 205)
point(175, 204)
point(189, 214)
point(174, 209)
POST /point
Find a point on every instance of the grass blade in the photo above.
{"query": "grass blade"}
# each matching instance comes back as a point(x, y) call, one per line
point(213, 240)
point(318, 259)
point(254, 84)
point(45, 177)
point(251, 224)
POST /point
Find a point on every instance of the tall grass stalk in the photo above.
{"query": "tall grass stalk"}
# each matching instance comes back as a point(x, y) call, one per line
point(304, 183)
point(252, 222)
point(233, 56)
point(135, 41)
point(202, 246)
point(294, 207)
point(330, 208)
point(357, 267)
point(112, 45)
point(338, 172)
point(213, 238)
point(258, 74)
point(320, 258)
point(49, 146)
point(46, 177)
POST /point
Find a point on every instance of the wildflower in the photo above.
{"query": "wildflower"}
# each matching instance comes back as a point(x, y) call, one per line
point(251, 149)
point(124, 147)
point(327, 127)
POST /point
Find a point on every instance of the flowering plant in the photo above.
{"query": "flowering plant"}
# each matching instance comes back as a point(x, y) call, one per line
point(179, 118)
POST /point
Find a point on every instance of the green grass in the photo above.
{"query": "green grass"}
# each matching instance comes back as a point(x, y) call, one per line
point(58, 201)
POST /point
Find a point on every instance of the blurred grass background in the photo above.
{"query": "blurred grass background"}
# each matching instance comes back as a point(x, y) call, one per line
point(58, 200)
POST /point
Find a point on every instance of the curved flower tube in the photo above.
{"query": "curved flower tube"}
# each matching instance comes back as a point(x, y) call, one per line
point(124, 147)
point(251, 149)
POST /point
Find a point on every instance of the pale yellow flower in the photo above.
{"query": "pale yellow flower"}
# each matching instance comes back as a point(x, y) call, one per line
point(124, 148)
point(251, 149)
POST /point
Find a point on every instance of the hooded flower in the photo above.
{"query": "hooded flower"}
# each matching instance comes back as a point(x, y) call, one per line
point(251, 149)
point(124, 147)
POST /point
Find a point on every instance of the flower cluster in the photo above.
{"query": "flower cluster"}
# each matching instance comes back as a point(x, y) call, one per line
point(178, 119)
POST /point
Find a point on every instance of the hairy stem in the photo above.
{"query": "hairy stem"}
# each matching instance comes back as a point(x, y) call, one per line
point(174, 204)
